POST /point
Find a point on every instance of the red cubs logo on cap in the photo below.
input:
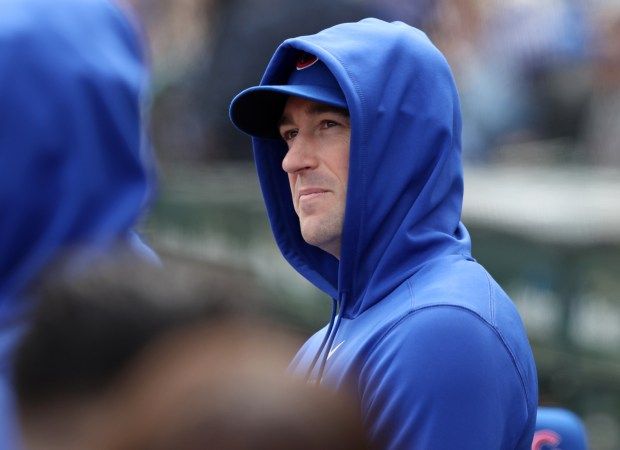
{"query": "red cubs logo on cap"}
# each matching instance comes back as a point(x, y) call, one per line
point(305, 60)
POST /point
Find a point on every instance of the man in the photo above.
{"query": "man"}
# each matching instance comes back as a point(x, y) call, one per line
point(73, 172)
point(364, 119)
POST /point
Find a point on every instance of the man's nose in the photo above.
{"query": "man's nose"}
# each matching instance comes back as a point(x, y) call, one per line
point(300, 155)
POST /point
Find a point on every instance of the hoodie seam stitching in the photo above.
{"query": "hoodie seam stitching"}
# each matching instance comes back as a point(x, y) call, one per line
point(485, 322)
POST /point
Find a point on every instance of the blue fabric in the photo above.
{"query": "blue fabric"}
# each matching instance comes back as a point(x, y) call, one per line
point(434, 349)
point(74, 162)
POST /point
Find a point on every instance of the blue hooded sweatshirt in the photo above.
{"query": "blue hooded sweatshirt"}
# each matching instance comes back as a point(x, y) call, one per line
point(73, 167)
point(433, 348)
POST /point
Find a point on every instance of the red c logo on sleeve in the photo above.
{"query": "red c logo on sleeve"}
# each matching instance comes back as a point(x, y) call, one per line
point(546, 440)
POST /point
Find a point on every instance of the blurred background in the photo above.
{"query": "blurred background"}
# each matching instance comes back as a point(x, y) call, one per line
point(540, 91)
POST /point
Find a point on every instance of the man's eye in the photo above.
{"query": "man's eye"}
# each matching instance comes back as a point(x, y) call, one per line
point(287, 135)
point(329, 124)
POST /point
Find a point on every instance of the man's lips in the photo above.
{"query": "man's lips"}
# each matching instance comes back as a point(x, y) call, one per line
point(308, 193)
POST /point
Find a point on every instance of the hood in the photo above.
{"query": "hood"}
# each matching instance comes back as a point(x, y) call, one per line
point(72, 151)
point(405, 185)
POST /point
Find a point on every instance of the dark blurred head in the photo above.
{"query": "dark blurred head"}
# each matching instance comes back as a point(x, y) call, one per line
point(88, 326)
point(130, 356)
point(225, 387)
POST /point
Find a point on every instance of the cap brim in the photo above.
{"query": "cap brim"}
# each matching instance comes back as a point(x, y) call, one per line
point(257, 110)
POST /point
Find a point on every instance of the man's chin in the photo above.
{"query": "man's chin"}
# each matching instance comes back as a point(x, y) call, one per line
point(321, 235)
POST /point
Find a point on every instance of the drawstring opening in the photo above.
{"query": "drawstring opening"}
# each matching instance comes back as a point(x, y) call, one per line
point(328, 340)
point(325, 339)
point(330, 344)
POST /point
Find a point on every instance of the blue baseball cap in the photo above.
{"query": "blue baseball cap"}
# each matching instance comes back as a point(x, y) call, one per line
point(257, 110)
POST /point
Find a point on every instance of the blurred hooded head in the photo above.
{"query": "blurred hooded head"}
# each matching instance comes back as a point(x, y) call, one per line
point(72, 145)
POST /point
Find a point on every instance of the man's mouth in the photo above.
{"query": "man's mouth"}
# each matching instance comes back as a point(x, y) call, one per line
point(311, 193)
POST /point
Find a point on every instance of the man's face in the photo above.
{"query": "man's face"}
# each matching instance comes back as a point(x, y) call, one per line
point(317, 162)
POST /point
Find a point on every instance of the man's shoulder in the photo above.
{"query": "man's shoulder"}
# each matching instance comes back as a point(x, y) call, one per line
point(456, 285)
point(460, 284)
point(448, 296)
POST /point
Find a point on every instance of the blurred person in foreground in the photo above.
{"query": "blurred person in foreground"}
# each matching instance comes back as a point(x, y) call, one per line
point(357, 146)
point(73, 167)
point(130, 356)
point(225, 387)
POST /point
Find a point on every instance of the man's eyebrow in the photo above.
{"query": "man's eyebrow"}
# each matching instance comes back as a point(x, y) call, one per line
point(319, 108)
point(285, 119)
point(315, 109)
